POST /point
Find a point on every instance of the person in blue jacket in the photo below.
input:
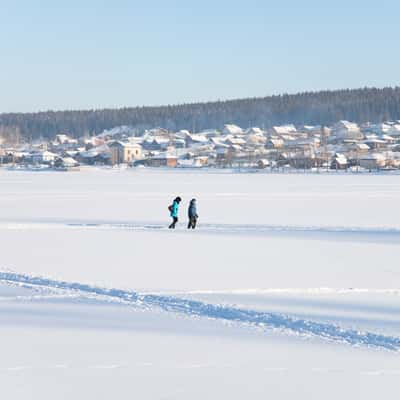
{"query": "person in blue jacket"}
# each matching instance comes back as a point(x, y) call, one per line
point(192, 214)
point(174, 208)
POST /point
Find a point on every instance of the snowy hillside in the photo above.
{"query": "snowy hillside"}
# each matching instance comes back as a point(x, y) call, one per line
point(289, 288)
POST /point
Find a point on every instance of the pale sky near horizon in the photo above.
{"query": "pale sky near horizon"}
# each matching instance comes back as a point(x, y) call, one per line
point(94, 54)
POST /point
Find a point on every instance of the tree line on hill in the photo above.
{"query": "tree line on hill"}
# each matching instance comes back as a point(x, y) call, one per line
point(315, 108)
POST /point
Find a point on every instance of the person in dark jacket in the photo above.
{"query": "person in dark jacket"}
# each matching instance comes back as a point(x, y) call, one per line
point(192, 214)
point(174, 209)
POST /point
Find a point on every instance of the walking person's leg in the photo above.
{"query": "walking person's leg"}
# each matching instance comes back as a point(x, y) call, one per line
point(174, 221)
point(194, 222)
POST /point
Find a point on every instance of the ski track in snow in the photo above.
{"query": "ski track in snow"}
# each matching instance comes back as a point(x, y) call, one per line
point(259, 319)
point(368, 234)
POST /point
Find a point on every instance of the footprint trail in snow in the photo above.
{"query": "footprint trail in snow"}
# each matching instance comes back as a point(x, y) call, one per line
point(248, 317)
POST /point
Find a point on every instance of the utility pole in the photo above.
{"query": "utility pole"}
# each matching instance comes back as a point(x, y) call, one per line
point(324, 137)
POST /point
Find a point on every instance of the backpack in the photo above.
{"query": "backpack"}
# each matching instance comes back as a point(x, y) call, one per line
point(170, 208)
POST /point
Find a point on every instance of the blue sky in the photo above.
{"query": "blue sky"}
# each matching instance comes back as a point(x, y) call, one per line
point(94, 54)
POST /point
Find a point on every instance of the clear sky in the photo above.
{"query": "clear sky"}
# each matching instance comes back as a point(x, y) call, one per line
point(91, 53)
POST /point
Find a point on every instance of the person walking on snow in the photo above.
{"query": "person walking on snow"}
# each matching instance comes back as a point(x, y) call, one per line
point(174, 208)
point(192, 214)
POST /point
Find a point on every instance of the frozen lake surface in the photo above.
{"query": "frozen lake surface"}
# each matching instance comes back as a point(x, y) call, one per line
point(289, 288)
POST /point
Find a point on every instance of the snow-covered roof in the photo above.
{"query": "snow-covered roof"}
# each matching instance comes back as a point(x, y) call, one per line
point(218, 142)
point(95, 151)
point(376, 141)
point(124, 144)
point(311, 128)
point(256, 139)
point(255, 131)
point(362, 146)
point(161, 140)
point(69, 161)
point(382, 127)
point(284, 129)
point(62, 138)
point(196, 137)
point(231, 129)
point(394, 130)
point(286, 137)
point(340, 155)
point(351, 126)
point(387, 137)
point(264, 162)
point(236, 140)
point(277, 141)
point(43, 154)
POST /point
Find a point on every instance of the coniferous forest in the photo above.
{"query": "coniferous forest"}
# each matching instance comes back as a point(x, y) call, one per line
point(323, 107)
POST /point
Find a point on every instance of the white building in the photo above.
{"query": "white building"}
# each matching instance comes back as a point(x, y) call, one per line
point(42, 157)
point(347, 130)
point(231, 129)
point(288, 129)
point(394, 131)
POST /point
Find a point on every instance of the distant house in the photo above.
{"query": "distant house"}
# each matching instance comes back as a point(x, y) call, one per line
point(4, 158)
point(288, 129)
point(41, 157)
point(375, 143)
point(388, 139)
point(235, 141)
point(347, 130)
point(66, 163)
point(255, 131)
point(196, 162)
point(63, 138)
point(94, 156)
point(395, 131)
point(372, 161)
point(360, 147)
point(274, 143)
point(231, 129)
point(303, 143)
point(158, 143)
point(263, 163)
point(392, 159)
point(312, 129)
point(255, 139)
point(179, 143)
point(303, 160)
point(196, 139)
point(379, 129)
point(124, 152)
point(160, 160)
point(339, 161)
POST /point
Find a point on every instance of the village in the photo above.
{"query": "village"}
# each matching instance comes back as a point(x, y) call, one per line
point(344, 146)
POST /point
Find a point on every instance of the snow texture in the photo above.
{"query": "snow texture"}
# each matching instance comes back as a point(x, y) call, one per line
point(290, 285)
point(200, 309)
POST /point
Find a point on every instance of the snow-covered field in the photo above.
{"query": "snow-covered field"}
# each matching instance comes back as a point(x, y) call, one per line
point(290, 288)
